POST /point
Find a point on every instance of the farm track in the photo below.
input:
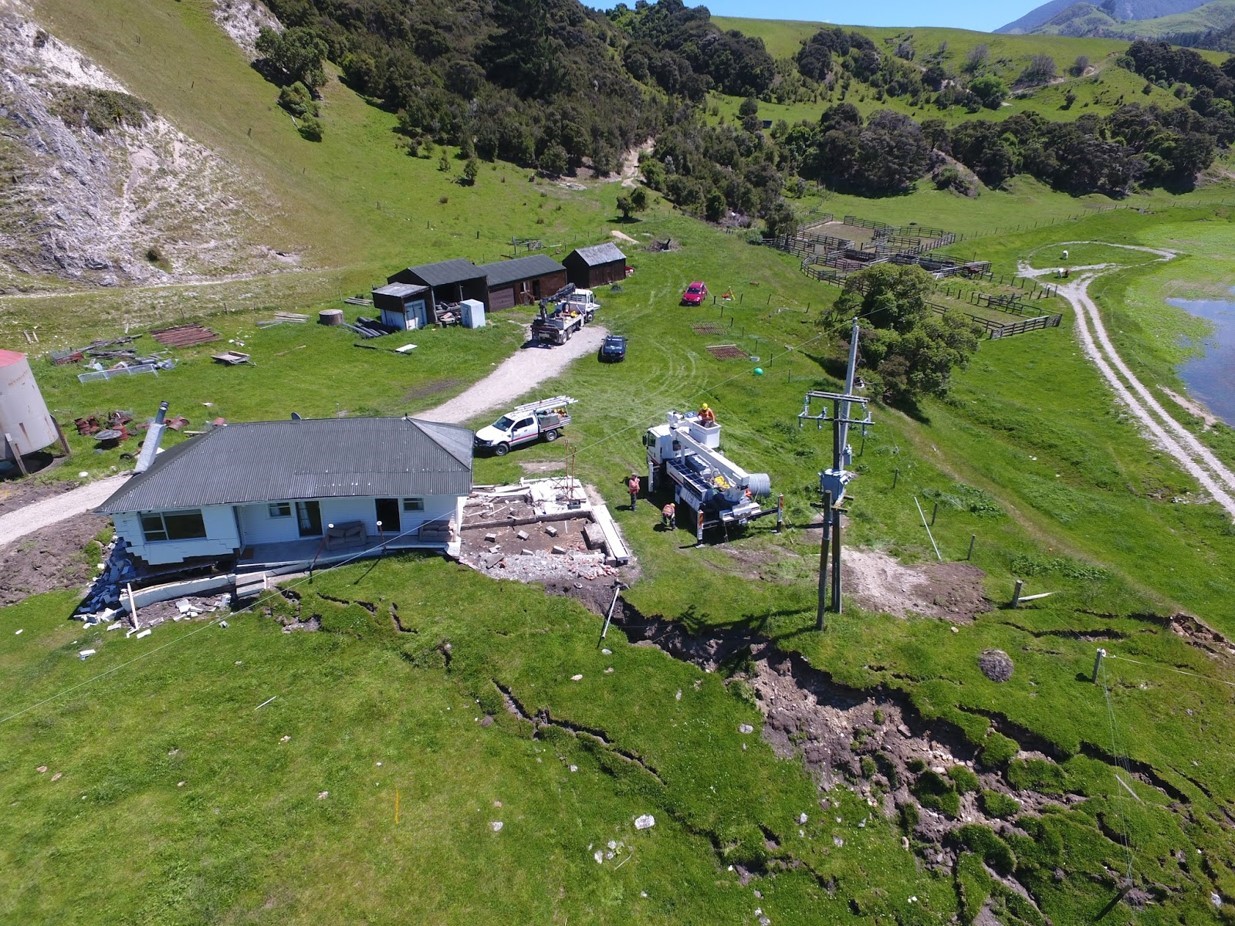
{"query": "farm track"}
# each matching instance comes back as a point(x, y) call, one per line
point(1159, 425)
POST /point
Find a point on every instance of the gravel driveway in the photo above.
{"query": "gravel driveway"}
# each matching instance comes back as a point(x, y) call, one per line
point(515, 377)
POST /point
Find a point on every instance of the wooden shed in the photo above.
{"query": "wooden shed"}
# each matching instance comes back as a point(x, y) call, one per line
point(403, 306)
point(523, 280)
point(447, 281)
point(594, 266)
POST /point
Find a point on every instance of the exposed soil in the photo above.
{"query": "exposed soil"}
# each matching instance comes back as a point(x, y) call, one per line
point(48, 559)
point(877, 582)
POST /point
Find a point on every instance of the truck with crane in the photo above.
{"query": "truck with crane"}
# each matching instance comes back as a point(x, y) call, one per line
point(685, 453)
point(525, 424)
point(573, 308)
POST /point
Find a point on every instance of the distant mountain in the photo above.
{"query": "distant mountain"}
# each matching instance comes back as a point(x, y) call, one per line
point(1114, 10)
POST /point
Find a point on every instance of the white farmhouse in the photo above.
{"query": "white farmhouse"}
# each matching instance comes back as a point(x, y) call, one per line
point(299, 491)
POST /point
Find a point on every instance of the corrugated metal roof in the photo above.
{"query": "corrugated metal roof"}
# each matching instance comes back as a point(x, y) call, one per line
point(314, 458)
point(504, 272)
point(597, 254)
point(400, 289)
point(444, 272)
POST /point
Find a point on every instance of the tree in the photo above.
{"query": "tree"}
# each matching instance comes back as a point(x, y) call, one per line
point(294, 55)
point(976, 58)
point(919, 362)
point(1040, 70)
point(470, 170)
point(911, 351)
point(990, 90)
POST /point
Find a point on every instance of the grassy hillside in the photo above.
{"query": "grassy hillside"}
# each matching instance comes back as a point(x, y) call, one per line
point(286, 813)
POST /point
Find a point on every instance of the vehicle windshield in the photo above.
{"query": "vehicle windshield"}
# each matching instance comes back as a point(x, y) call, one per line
point(504, 423)
point(694, 287)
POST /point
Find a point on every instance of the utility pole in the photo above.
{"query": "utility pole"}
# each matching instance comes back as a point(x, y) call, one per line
point(832, 482)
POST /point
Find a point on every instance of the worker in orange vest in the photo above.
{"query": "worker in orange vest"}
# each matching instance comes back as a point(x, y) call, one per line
point(706, 415)
point(632, 486)
point(668, 517)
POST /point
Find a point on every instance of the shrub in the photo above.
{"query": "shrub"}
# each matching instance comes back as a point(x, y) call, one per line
point(100, 110)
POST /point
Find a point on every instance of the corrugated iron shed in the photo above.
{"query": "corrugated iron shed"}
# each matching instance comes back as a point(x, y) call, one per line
point(402, 290)
point(504, 272)
point(445, 272)
point(312, 458)
point(599, 254)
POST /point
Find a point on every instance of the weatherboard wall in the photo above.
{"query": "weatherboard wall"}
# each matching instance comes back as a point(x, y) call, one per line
point(222, 538)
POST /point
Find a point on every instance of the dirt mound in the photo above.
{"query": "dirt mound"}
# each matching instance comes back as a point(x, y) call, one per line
point(995, 665)
point(877, 582)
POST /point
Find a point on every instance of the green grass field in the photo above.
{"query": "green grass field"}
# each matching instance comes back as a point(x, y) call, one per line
point(368, 789)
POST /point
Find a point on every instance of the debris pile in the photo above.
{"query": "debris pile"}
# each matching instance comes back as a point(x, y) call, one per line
point(540, 530)
point(102, 601)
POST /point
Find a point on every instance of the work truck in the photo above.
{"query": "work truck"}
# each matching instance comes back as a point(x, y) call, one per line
point(525, 424)
point(685, 452)
point(572, 308)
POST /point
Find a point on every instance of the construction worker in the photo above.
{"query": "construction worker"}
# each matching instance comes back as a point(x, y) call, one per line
point(706, 415)
point(669, 517)
point(632, 486)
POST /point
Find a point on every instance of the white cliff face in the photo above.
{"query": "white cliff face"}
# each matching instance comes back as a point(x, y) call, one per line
point(99, 203)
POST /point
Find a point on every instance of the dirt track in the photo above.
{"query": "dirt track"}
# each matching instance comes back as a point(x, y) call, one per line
point(1193, 456)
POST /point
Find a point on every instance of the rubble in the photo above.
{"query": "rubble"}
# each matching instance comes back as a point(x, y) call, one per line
point(497, 522)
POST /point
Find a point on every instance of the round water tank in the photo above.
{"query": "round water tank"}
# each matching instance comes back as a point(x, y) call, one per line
point(23, 413)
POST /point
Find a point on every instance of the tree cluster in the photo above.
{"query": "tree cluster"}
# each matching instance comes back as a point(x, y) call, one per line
point(912, 349)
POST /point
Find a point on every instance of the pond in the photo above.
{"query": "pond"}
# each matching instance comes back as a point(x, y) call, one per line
point(1211, 376)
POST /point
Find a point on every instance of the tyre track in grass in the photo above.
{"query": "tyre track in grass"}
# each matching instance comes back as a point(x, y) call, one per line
point(1159, 425)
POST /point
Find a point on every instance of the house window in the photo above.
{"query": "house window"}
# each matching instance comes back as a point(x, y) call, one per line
point(173, 525)
point(279, 509)
point(413, 504)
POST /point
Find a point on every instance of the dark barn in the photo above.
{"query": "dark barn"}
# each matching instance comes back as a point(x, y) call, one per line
point(594, 266)
point(449, 281)
point(522, 281)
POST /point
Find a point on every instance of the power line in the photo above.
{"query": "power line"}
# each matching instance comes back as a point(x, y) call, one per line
point(1177, 671)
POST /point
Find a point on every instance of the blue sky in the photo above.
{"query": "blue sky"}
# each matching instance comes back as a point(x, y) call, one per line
point(980, 15)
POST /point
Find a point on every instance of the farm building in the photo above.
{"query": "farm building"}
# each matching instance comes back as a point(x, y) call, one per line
point(523, 280)
point(447, 282)
point(279, 492)
point(403, 306)
point(594, 266)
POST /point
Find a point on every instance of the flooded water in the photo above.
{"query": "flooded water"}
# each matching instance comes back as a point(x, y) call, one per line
point(1211, 377)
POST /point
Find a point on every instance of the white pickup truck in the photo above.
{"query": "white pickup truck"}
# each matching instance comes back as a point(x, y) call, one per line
point(542, 420)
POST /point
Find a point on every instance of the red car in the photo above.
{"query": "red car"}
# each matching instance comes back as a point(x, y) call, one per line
point(695, 294)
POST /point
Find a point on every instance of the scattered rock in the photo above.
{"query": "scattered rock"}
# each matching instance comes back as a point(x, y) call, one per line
point(644, 822)
point(496, 826)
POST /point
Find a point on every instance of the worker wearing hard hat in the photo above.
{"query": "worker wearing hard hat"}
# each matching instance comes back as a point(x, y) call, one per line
point(706, 415)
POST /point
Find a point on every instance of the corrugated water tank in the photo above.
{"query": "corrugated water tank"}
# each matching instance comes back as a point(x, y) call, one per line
point(23, 413)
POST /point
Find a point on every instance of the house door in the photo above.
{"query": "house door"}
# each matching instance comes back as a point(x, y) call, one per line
point(388, 514)
point(309, 519)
